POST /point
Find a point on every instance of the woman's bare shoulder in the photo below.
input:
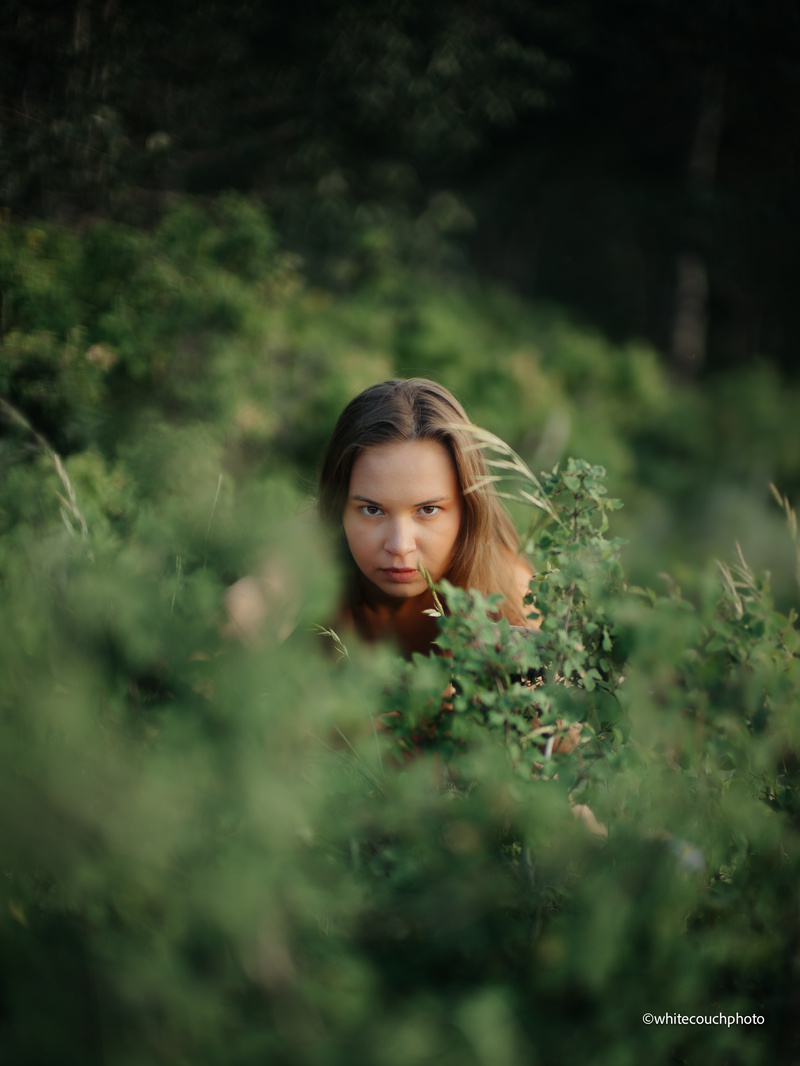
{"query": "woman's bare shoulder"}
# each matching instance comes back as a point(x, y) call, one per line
point(523, 572)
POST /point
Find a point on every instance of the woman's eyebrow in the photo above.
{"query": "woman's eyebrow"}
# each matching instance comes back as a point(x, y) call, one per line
point(425, 503)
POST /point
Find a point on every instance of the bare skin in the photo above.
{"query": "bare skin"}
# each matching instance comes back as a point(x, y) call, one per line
point(403, 517)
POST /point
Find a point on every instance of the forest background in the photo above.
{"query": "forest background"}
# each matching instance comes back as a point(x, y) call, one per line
point(219, 223)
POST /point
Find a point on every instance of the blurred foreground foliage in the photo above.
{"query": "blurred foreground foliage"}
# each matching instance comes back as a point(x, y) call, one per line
point(219, 853)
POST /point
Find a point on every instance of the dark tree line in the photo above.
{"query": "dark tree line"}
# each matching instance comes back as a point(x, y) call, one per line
point(637, 161)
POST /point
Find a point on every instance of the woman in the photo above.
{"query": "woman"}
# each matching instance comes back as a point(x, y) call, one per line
point(407, 488)
point(405, 484)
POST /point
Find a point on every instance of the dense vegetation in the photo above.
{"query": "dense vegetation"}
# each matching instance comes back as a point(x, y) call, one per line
point(216, 852)
point(635, 161)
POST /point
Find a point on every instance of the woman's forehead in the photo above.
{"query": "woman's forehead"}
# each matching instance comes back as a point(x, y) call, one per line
point(421, 469)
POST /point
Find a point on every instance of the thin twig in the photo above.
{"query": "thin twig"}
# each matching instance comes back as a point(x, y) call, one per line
point(68, 504)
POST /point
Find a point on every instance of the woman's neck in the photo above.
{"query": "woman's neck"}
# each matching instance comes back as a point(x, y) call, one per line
point(404, 621)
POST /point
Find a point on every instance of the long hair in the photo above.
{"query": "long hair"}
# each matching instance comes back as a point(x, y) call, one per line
point(413, 409)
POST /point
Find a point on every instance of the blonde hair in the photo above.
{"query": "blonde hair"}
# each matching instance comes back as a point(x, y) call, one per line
point(412, 409)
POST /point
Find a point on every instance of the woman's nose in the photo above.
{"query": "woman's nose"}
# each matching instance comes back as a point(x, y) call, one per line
point(400, 538)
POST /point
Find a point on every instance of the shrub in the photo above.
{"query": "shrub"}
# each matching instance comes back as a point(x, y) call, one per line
point(216, 853)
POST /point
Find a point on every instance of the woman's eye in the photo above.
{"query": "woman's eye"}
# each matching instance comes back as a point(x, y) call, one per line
point(430, 509)
point(369, 509)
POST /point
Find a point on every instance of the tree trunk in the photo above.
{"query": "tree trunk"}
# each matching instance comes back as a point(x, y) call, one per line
point(690, 321)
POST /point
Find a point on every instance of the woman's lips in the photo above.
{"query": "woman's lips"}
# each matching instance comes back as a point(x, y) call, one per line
point(400, 575)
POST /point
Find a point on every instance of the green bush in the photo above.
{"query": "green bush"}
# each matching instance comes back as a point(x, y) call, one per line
point(225, 853)
point(213, 854)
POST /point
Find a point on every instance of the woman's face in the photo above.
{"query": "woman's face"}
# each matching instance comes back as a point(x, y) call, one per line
point(403, 514)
